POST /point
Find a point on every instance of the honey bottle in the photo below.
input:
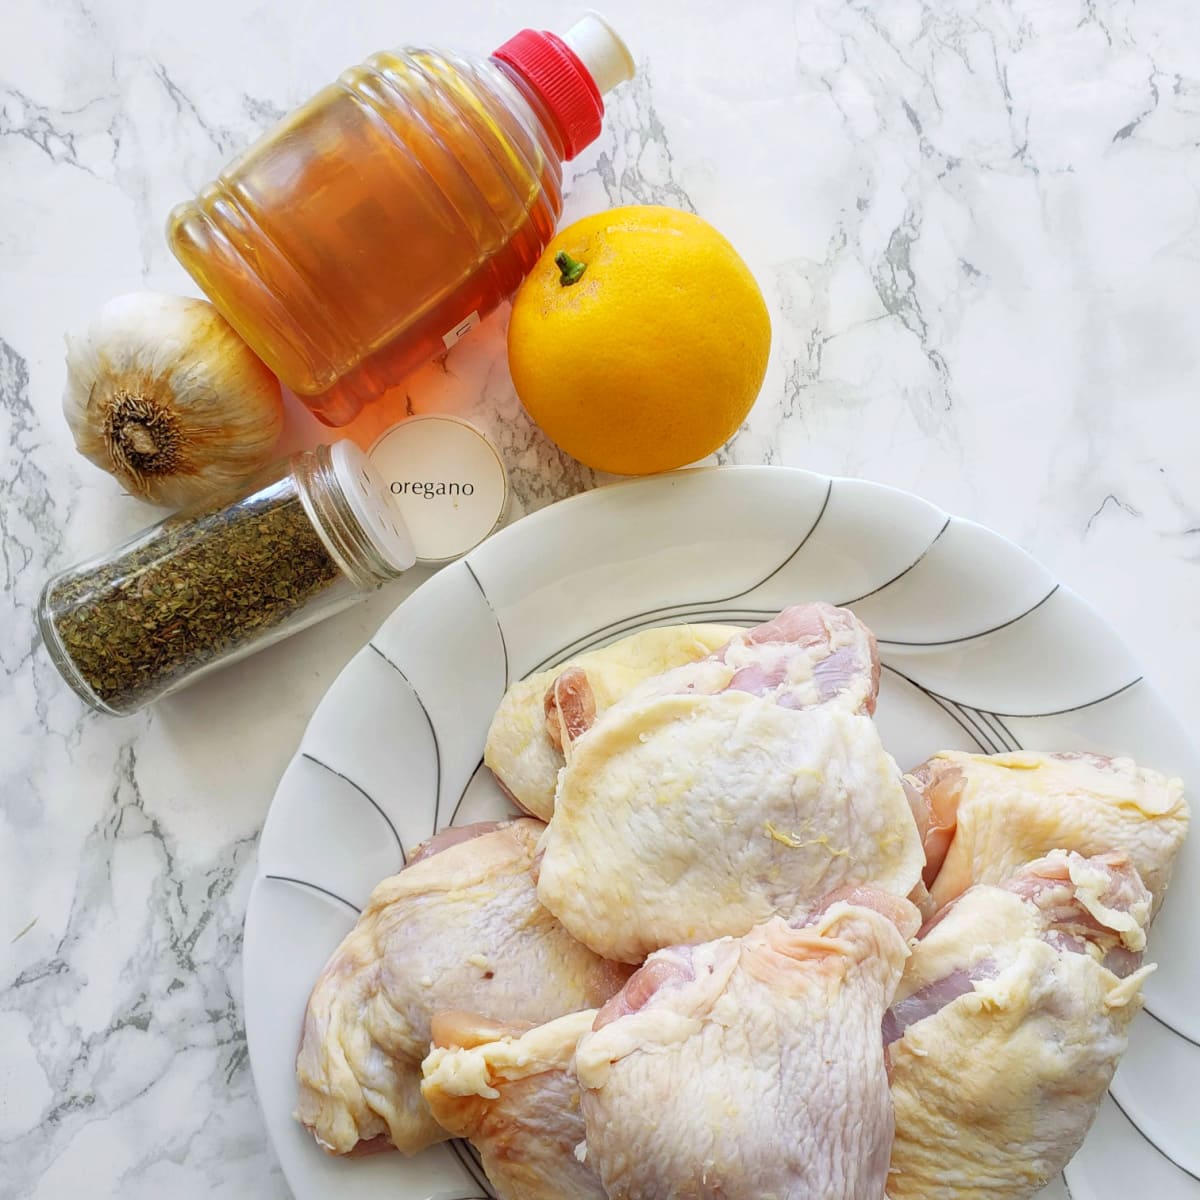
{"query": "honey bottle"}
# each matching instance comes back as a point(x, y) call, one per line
point(375, 225)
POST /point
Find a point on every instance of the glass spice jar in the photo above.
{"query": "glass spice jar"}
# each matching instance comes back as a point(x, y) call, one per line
point(308, 537)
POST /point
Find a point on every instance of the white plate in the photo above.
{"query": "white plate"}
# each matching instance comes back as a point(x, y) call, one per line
point(982, 650)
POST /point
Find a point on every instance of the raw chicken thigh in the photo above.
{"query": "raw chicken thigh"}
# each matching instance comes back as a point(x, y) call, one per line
point(728, 791)
point(810, 654)
point(459, 927)
point(720, 800)
point(750, 1068)
point(524, 751)
point(1008, 1025)
point(985, 816)
point(513, 1092)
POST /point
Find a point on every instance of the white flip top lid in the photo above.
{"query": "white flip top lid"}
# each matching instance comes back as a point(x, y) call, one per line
point(601, 49)
point(447, 481)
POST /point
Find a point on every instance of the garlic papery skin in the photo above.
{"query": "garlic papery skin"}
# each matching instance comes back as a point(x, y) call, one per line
point(164, 395)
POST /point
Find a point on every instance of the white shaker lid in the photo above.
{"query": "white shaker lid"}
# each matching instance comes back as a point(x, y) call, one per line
point(366, 493)
point(446, 480)
point(600, 48)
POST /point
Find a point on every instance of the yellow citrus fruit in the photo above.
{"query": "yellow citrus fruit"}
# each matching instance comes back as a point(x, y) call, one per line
point(653, 355)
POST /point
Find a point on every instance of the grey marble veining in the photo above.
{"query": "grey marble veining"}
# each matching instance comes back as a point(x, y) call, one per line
point(978, 230)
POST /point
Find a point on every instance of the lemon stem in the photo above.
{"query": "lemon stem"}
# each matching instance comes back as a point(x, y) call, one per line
point(572, 269)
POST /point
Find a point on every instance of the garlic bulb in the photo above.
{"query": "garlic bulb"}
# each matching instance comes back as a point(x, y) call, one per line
point(163, 394)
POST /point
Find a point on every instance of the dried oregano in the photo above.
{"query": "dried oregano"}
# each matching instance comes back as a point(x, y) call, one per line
point(188, 592)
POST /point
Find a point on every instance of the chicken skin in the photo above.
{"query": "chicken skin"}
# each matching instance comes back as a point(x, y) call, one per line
point(986, 816)
point(809, 654)
point(512, 1091)
point(1008, 1025)
point(524, 751)
point(459, 927)
point(728, 791)
point(751, 1067)
point(705, 977)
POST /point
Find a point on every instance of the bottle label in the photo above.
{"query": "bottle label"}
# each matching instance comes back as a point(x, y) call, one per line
point(446, 480)
point(429, 488)
point(460, 330)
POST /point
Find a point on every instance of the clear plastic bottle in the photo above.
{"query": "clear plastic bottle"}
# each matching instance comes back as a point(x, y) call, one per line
point(375, 225)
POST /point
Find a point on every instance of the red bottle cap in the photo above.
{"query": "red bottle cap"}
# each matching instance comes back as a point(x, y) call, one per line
point(563, 83)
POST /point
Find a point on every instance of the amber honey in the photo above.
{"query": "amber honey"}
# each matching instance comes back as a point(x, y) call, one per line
point(375, 225)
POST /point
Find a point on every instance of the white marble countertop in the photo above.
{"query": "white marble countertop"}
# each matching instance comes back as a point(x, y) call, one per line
point(978, 229)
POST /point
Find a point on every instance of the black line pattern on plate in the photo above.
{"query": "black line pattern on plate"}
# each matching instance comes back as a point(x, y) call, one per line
point(950, 709)
point(463, 794)
point(465, 1155)
point(803, 542)
point(695, 607)
point(1058, 712)
point(1012, 737)
point(514, 812)
point(896, 578)
point(496, 618)
point(1066, 1185)
point(362, 791)
point(679, 612)
point(704, 611)
point(651, 620)
point(437, 749)
point(970, 637)
point(986, 736)
point(1167, 1025)
point(315, 887)
point(1150, 1141)
point(1007, 742)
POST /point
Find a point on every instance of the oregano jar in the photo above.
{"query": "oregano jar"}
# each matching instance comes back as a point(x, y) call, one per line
point(213, 583)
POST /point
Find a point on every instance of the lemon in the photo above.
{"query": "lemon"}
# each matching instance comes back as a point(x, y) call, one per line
point(639, 341)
